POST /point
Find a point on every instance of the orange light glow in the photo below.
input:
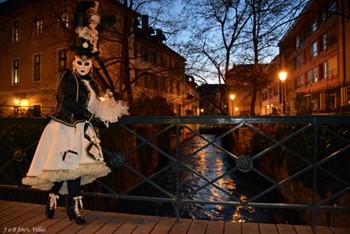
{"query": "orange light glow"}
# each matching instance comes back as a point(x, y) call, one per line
point(16, 101)
point(24, 103)
point(282, 75)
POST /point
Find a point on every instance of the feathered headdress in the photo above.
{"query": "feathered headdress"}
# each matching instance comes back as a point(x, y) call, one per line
point(86, 26)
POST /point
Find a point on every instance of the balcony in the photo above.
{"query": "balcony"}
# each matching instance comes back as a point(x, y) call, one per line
point(324, 84)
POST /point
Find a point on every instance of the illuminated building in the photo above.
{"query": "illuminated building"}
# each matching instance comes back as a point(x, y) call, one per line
point(34, 49)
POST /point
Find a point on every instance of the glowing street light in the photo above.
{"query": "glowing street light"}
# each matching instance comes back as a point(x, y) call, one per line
point(282, 75)
point(232, 98)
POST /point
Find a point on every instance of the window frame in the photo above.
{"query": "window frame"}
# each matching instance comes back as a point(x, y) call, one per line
point(297, 42)
point(324, 41)
point(314, 49)
point(38, 27)
point(65, 20)
point(15, 31)
point(314, 26)
point(15, 75)
point(37, 61)
point(63, 59)
point(325, 69)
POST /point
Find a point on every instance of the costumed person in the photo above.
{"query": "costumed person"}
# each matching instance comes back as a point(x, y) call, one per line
point(69, 153)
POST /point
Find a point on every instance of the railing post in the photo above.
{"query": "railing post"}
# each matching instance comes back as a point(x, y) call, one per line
point(314, 175)
point(178, 166)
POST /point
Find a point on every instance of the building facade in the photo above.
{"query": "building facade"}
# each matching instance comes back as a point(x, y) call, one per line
point(315, 53)
point(272, 94)
point(34, 50)
point(212, 99)
point(240, 82)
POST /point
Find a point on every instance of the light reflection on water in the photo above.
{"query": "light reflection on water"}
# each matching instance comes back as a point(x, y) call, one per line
point(211, 162)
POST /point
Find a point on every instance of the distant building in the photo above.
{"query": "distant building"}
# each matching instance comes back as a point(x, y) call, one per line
point(159, 71)
point(212, 99)
point(191, 98)
point(240, 87)
point(316, 54)
point(34, 49)
point(271, 95)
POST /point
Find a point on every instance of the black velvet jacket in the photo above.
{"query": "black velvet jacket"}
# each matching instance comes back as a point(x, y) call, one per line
point(72, 99)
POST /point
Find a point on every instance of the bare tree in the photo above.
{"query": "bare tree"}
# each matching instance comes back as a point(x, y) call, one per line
point(124, 33)
point(225, 33)
point(216, 27)
point(261, 35)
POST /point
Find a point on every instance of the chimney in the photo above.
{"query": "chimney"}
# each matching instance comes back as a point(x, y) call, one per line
point(160, 36)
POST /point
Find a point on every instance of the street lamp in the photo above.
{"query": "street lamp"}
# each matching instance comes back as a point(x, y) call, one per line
point(232, 97)
point(282, 75)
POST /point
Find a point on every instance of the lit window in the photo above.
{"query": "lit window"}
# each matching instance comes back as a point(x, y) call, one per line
point(37, 64)
point(314, 26)
point(324, 41)
point(38, 27)
point(65, 20)
point(15, 72)
point(15, 31)
point(62, 59)
point(325, 69)
point(314, 50)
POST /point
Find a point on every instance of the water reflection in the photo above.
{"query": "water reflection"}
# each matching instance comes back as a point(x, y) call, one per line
point(212, 163)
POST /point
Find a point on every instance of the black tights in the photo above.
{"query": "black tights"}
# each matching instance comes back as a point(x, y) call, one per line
point(73, 187)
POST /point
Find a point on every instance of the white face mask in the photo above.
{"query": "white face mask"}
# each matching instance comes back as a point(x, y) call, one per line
point(82, 65)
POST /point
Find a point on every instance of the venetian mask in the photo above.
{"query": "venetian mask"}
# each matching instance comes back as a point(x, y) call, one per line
point(82, 65)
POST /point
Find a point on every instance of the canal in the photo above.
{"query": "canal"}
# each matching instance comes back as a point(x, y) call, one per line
point(210, 162)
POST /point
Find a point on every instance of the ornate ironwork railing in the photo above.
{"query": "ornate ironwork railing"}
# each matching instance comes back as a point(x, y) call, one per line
point(304, 159)
point(13, 111)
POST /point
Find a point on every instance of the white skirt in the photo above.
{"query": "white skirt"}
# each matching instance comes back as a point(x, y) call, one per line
point(66, 153)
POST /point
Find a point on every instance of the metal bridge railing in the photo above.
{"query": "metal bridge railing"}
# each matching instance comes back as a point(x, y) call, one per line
point(305, 159)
